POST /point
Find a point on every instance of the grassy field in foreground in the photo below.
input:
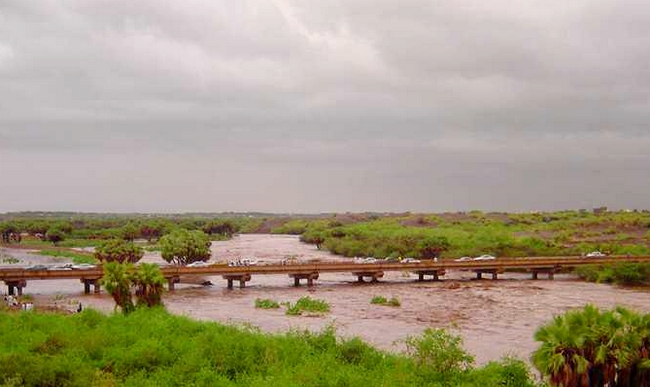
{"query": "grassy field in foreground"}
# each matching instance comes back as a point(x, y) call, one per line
point(154, 348)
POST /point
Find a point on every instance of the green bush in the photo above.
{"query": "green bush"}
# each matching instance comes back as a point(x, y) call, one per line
point(266, 304)
point(381, 300)
point(439, 352)
point(307, 304)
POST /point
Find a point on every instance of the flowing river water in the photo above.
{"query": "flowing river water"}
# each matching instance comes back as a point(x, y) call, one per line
point(495, 318)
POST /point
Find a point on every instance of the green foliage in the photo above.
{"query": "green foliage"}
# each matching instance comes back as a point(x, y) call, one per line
point(117, 281)
point(150, 347)
point(118, 250)
point(431, 246)
point(120, 278)
point(224, 228)
point(624, 273)
point(381, 300)
point(55, 235)
point(130, 231)
point(266, 303)
point(183, 247)
point(590, 347)
point(307, 304)
point(75, 256)
point(148, 281)
point(439, 352)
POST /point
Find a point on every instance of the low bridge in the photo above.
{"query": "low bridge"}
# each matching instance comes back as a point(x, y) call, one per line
point(16, 278)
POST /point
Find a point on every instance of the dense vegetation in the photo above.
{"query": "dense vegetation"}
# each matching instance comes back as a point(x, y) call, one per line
point(150, 347)
point(593, 348)
point(624, 273)
point(477, 233)
point(381, 235)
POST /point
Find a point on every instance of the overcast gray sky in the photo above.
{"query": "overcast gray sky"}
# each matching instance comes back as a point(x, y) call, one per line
point(317, 106)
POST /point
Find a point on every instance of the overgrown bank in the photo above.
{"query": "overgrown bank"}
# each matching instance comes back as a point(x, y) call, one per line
point(475, 233)
point(154, 348)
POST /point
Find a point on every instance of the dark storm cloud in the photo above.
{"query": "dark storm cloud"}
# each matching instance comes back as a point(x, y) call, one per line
point(323, 106)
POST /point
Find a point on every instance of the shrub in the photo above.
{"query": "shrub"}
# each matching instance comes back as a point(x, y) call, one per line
point(439, 351)
point(266, 304)
point(381, 300)
point(307, 304)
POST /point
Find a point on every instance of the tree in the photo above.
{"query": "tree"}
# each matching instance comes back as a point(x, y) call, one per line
point(55, 235)
point(118, 250)
point(129, 232)
point(153, 230)
point(117, 280)
point(149, 281)
point(121, 278)
point(183, 247)
point(313, 237)
point(7, 229)
point(221, 227)
point(431, 247)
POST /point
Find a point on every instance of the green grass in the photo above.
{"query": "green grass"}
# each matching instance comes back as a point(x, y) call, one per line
point(624, 273)
point(381, 300)
point(154, 348)
point(8, 259)
point(476, 233)
point(74, 256)
point(307, 304)
point(266, 304)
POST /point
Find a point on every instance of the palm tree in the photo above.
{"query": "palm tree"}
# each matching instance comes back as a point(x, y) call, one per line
point(117, 280)
point(634, 363)
point(560, 356)
point(149, 282)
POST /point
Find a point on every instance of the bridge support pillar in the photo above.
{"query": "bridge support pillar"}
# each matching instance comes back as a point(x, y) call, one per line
point(549, 271)
point(310, 277)
point(494, 272)
point(95, 282)
point(374, 276)
point(16, 286)
point(171, 282)
point(433, 273)
point(242, 278)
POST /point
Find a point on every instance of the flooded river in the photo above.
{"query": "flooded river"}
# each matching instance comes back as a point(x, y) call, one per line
point(495, 318)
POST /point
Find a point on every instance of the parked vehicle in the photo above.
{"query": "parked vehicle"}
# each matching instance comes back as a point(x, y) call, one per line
point(60, 267)
point(410, 260)
point(83, 266)
point(464, 259)
point(596, 254)
point(36, 267)
point(198, 264)
point(484, 258)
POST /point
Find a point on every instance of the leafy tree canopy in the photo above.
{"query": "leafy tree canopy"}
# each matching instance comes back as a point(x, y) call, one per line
point(183, 247)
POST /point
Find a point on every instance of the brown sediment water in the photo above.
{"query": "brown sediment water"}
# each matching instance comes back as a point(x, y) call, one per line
point(495, 318)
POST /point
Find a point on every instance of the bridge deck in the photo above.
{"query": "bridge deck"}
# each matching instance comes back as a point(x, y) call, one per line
point(18, 276)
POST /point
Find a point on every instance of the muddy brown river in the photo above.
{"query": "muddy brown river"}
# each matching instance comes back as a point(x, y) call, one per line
point(495, 318)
